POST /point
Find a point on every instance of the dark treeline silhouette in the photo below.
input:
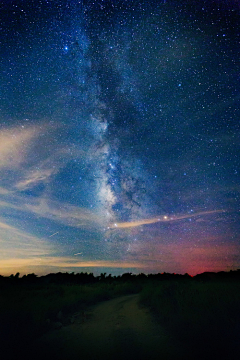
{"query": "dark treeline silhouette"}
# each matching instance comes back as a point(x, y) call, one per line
point(89, 278)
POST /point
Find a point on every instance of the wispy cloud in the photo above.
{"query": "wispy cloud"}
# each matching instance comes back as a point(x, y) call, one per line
point(59, 212)
point(29, 151)
point(16, 244)
point(162, 218)
point(14, 143)
point(64, 213)
point(44, 265)
point(4, 191)
point(44, 169)
point(33, 177)
point(22, 151)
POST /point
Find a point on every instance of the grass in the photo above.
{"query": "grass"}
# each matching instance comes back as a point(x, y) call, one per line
point(206, 316)
point(202, 315)
point(28, 310)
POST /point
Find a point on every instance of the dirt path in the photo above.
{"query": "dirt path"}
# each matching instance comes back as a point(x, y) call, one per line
point(115, 329)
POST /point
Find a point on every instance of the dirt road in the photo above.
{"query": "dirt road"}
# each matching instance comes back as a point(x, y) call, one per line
point(115, 329)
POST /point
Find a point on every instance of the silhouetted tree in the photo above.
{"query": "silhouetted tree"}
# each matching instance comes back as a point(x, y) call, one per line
point(17, 275)
point(102, 276)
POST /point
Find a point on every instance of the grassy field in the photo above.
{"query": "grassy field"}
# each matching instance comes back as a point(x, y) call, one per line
point(204, 315)
point(29, 309)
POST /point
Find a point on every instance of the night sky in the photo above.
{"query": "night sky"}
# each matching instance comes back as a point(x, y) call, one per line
point(119, 136)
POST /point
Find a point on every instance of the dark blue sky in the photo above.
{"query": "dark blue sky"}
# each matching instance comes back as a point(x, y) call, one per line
point(119, 136)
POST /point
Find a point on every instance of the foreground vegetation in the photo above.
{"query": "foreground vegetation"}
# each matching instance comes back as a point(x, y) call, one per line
point(205, 316)
point(202, 312)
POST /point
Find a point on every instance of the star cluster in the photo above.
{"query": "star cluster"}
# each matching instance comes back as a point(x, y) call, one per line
point(119, 136)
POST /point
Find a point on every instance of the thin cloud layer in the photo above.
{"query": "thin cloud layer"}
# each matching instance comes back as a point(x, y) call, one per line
point(14, 143)
point(17, 244)
point(162, 218)
point(43, 265)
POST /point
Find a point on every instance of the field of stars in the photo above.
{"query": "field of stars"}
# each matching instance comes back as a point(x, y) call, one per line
point(119, 136)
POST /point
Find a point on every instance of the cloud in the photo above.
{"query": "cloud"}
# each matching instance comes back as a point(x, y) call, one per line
point(31, 154)
point(17, 244)
point(64, 213)
point(33, 159)
point(44, 265)
point(162, 218)
point(46, 208)
point(4, 191)
point(45, 168)
point(14, 144)
point(34, 178)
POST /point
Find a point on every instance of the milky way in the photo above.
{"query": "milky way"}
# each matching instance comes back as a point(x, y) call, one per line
point(119, 136)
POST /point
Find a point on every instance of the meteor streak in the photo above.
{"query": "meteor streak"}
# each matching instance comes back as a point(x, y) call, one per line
point(54, 234)
point(162, 218)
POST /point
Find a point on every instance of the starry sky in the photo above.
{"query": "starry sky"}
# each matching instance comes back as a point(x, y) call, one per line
point(119, 136)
